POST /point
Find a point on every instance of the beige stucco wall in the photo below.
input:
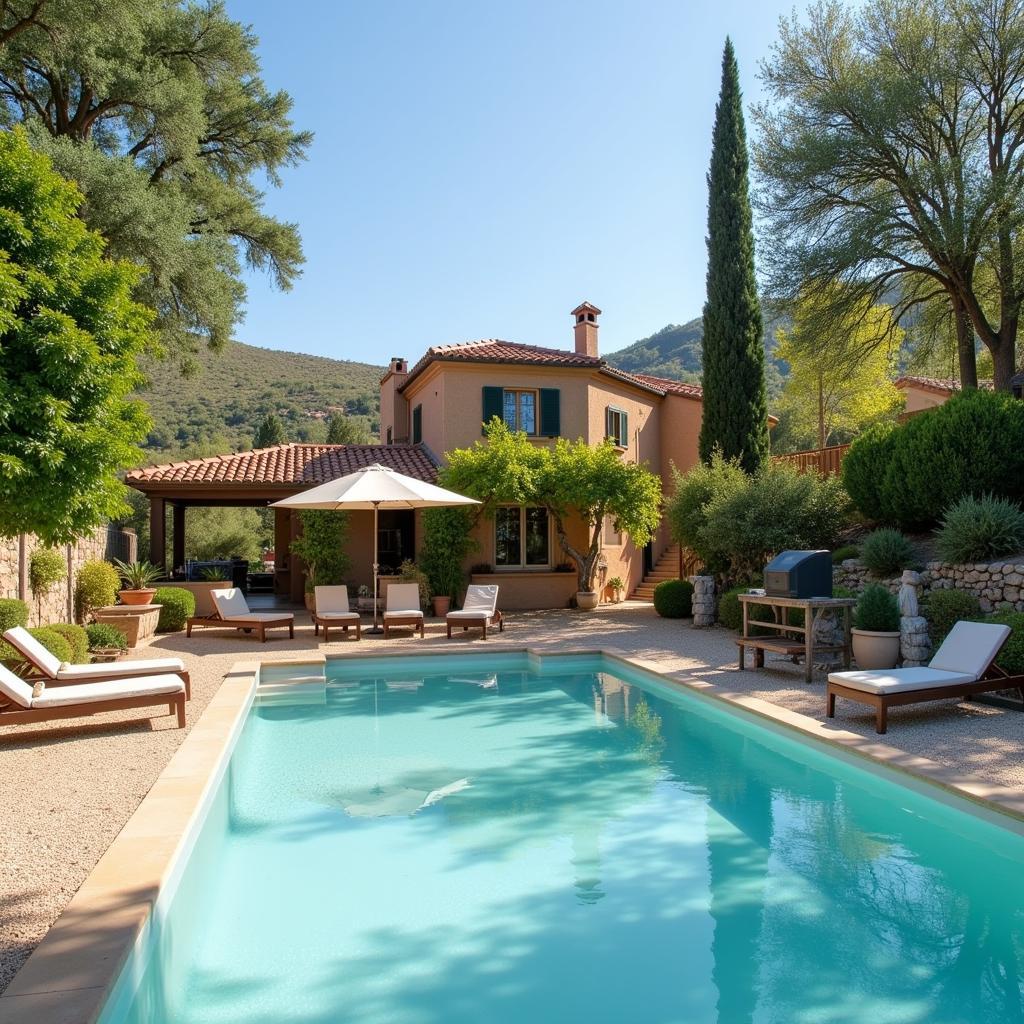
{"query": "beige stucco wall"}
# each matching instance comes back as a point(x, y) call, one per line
point(918, 399)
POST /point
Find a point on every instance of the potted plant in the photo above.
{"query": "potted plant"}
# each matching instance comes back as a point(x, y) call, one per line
point(136, 577)
point(616, 586)
point(876, 633)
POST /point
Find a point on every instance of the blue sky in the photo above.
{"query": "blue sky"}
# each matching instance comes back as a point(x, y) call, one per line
point(479, 168)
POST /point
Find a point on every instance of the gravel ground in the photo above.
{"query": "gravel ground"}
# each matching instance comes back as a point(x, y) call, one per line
point(68, 789)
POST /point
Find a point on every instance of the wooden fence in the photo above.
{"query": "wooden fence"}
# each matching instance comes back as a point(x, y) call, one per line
point(826, 461)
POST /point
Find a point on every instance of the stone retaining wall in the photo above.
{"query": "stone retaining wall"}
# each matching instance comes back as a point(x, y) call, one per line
point(57, 605)
point(999, 586)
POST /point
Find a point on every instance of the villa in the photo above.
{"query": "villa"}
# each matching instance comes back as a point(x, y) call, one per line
point(440, 404)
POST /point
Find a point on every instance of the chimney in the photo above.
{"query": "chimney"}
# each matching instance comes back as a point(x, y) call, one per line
point(394, 409)
point(585, 330)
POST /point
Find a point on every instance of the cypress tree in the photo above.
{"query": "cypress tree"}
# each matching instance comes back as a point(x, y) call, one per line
point(269, 432)
point(735, 416)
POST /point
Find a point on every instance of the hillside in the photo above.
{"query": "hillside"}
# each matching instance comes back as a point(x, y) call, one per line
point(219, 408)
point(675, 351)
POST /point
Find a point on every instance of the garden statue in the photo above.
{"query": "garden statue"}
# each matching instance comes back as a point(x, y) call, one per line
point(908, 593)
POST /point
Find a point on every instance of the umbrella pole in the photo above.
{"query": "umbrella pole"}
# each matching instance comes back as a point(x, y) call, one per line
point(376, 567)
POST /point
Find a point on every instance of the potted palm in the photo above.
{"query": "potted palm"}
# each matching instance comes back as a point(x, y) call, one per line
point(616, 586)
point(136, 577)
point(876, 632)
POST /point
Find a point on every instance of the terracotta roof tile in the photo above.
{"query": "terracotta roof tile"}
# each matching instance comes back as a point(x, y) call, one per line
point(943, 385)
point(672, 387)
point(296, 464)
point(494, 350)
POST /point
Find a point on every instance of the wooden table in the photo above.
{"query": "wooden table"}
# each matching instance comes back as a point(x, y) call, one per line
point(792, 639)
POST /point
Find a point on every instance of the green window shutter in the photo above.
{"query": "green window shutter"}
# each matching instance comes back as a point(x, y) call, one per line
point(624, 427)
point(607, 421)
point(492, 404)
point(550, 412)
point(417, 424)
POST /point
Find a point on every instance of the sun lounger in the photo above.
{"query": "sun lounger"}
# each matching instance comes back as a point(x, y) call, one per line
point(963, 665)
point(230, 611)
point(330, 608)
point(18, 706)
point(479, 609)
point(49, 666)
point(403, 607)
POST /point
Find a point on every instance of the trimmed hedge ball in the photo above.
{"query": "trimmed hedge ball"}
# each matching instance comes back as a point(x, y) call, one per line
point(673, 599)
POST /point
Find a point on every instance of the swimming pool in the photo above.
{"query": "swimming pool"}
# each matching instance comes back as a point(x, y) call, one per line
point(500, 842)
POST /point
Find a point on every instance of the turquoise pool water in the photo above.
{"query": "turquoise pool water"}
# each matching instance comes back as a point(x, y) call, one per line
point(488, 844)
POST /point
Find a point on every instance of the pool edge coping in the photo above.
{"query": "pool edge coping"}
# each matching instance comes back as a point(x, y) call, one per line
point(90, 942)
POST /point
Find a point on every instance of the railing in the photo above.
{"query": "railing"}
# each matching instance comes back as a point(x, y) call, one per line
point(122, 544)
point(826, 461)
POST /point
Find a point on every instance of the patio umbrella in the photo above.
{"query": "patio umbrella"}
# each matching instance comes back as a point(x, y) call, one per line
point(375, 487)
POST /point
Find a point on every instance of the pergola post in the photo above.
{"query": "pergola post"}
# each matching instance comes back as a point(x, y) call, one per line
point(178, 536)
point(282, 557)
point(157, 532)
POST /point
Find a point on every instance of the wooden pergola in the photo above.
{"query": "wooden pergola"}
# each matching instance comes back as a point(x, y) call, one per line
point(257, 479)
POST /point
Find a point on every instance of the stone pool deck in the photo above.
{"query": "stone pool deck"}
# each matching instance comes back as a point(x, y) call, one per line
point(69, 788)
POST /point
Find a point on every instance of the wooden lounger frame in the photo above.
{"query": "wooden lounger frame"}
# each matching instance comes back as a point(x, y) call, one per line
point(495, 618)
point(260, 627)
point(397, 621)
point(994, 678)
point(329, 623)
point(14, 714)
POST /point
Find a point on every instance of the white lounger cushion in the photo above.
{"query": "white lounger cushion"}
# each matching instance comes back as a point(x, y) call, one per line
point(481, 598)
point(262, 617)
point(14, 689)
point(409, 613)
point(404, 599)
point(332, 601)
point(338, 616)
point(230, 603)
point(899, 680)
point(970, 647)
point(34, 651)
point(472, 614)
point(91, 693)
point(106, 670)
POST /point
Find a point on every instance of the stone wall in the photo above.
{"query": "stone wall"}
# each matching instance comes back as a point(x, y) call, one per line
point(57, 606)
point(999, 586)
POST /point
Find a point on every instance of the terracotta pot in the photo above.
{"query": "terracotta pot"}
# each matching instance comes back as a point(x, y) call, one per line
point(310, 600)
point(875, 650)
point(586, 600)
point(137, 597)
point(441, 606)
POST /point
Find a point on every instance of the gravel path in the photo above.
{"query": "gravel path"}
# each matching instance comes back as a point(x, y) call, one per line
point(68, 789)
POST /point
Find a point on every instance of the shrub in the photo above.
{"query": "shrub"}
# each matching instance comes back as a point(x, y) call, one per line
point(730, 612)
point(96, 586)
point(886, 552)
point(53, 641)
point(12, 613)
point(864, 470)
point(735, 523)
point(979, 529)
point(409, 572)
point(944, 608)
point(46, 568)
point(845, 552)
point(877, 610)
point(77, 639)
point(102, 635)
point(177, 604)
point(1011, 657)
point(446, 543)
point(971, 445)
point(673, 599)
point(322, 547)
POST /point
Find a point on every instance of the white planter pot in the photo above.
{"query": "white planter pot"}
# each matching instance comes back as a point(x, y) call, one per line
point(875, 650)
point(586, 600)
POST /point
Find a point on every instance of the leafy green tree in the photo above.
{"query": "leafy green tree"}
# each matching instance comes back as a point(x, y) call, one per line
point(269, 432)
point(158, 110)
point(837, 385)
point(70, 334)
point(891, 150)
point(571, 479)
point(735, 406)
point(346, 430)
point(447, 540)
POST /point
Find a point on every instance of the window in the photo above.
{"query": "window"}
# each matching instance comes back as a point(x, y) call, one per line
point(522, 538)
point(519, 410)
point(616, 426)
point(417, 424)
